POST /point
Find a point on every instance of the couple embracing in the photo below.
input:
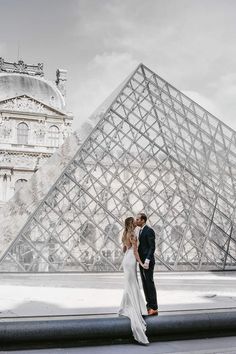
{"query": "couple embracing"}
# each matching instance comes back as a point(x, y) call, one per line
point(139, 246)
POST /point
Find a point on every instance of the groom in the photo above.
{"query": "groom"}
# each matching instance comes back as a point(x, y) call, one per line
point(146, 251)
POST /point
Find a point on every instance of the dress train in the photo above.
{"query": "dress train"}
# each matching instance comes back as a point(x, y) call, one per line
point(132, 303)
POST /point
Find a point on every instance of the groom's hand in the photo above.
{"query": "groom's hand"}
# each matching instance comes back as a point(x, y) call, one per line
point(146, 264)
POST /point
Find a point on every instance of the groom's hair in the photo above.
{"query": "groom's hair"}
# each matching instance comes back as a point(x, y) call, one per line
point(143, 217)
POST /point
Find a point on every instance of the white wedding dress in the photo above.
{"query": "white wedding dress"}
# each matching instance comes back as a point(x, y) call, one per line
point(132, 304)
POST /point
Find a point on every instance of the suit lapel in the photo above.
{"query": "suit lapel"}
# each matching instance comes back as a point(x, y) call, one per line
point(143, 231)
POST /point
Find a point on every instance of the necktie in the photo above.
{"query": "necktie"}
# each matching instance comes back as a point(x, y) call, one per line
point(140, 231)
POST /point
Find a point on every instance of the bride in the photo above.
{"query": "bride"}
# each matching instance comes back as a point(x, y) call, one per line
point(132, 304)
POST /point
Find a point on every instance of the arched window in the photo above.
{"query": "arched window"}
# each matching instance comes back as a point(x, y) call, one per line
point(53, 136)
point(19, 183)
point(22, 133)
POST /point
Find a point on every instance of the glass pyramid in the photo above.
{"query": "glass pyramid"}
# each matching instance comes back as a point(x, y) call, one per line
point(147, 148)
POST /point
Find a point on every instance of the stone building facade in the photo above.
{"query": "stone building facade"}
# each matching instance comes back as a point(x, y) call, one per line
point(33, 122)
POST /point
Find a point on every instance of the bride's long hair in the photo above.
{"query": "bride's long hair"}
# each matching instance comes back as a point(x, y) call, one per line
point(129, 227)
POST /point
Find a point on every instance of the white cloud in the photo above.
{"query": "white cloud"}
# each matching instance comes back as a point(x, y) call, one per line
point(223, 92)
point(103, 74)
point(221, 102)
point(204, 101)
point(185, 42)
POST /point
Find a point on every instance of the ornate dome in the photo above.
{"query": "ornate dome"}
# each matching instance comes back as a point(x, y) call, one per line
point(16, 84)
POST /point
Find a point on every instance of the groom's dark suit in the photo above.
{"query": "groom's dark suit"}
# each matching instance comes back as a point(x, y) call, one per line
point(146, 250)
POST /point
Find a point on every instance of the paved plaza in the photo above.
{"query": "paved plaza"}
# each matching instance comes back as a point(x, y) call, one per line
point(89, 295)
point(99, 294)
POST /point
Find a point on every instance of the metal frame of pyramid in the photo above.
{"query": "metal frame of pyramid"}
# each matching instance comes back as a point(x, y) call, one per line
point(147, 148)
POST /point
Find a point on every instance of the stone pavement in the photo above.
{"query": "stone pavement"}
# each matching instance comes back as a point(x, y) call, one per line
point(99, 294)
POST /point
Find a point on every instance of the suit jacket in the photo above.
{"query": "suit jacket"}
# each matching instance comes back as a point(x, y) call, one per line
point(147, 246)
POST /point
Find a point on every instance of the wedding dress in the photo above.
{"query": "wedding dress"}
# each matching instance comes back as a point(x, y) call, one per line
point(132, 304)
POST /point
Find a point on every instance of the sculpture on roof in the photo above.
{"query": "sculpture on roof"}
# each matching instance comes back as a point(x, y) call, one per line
point(21, 68)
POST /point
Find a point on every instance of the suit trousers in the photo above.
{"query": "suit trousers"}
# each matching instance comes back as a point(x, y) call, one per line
point(149, 286)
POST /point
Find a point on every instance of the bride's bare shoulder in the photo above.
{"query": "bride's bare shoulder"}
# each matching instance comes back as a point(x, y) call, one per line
point(133, 237)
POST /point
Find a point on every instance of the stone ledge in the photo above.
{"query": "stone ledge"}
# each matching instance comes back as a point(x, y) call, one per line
point(58, 332)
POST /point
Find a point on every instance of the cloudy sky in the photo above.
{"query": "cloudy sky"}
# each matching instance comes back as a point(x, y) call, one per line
point(190, 43)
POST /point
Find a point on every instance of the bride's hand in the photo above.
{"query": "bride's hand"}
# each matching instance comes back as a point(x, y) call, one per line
point(140, 263)
point(145, 266)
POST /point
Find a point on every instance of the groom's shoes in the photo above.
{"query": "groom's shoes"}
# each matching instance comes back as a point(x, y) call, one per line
point(152, 312)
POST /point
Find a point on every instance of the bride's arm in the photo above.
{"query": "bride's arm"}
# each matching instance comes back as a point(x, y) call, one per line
point(133, 240)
